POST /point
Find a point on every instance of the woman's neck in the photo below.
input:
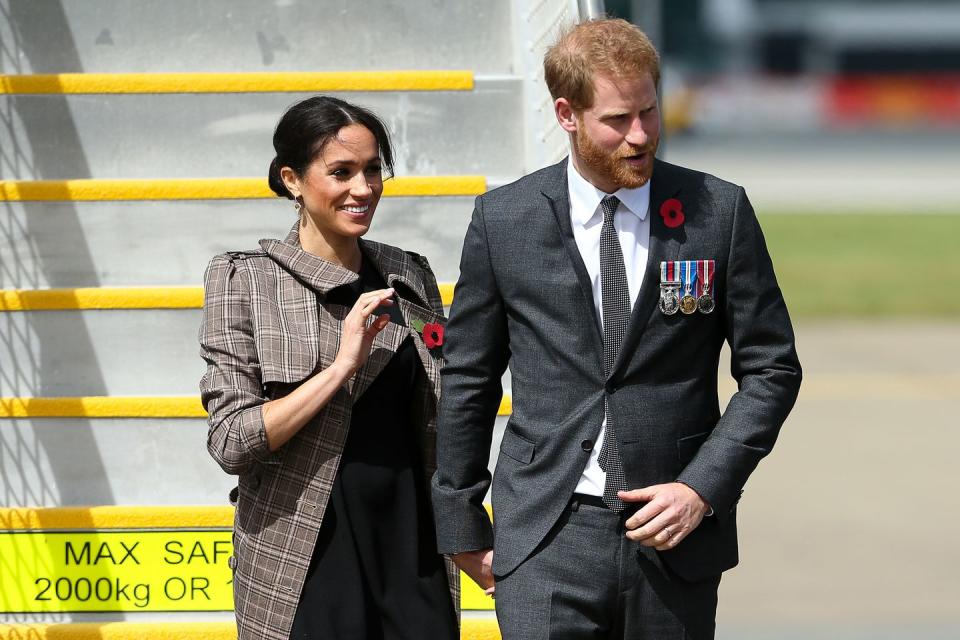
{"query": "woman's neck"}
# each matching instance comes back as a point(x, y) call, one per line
point(341, 250)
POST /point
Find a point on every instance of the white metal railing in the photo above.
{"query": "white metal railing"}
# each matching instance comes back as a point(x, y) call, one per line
point(536, 24)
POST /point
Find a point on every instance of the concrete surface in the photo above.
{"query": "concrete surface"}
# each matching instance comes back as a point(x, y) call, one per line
point(849, 529)
point(212, 135)
point(822, 172)
point(127, 36)
point(169, 243)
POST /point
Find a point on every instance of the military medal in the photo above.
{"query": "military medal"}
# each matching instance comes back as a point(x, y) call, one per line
point(669, 288)
point(688, 303)
point(705, 303)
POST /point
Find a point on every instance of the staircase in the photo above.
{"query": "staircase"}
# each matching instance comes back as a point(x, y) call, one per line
point(134, 144)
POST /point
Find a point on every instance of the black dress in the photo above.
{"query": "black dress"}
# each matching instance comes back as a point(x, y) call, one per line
point(375, 571)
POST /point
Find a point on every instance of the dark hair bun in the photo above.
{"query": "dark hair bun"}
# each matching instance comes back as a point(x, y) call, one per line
point(276, 182)
point(307, 126)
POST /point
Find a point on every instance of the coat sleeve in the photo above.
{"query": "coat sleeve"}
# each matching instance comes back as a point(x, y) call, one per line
point(231, 389)
point(476, 352)
point(763, 362)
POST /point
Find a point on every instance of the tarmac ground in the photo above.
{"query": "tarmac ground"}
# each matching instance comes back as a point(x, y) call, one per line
point(850, 528)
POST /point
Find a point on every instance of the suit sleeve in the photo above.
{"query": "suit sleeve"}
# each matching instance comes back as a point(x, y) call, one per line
point(763, 362)
point(476, 352)
point(231, 390)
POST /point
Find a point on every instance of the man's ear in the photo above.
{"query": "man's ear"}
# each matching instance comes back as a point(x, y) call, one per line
point(565, 115)
point(291, 181)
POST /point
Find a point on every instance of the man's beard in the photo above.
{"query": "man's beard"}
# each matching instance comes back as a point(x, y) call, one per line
point(612, 167)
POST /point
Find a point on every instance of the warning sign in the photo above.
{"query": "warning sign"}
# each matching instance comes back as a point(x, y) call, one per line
point(178, 570)
point(151, 570)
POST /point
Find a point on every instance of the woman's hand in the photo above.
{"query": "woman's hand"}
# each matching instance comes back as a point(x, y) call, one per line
point(479, 566)
point(359, 330)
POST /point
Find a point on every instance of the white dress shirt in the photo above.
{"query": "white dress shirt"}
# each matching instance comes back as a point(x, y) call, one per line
point(633, 230)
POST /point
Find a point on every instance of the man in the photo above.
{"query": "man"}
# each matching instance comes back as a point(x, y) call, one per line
point(608, 283)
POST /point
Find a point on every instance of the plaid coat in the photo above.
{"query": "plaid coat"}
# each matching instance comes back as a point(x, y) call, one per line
point(265, 329)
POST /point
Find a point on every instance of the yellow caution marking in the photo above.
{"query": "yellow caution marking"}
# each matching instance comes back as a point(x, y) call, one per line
point(105, 298)
point(101, 298)
point(93, 190)
point(114, 517)
point(115, 558)
point(125, 407)
point(121, 631)
point(471, 629)
point(257, 82)
point(120, 517)
point(446, 293)
point(103, 407)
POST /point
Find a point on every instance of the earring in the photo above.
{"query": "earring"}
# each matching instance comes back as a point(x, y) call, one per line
point(297, 206)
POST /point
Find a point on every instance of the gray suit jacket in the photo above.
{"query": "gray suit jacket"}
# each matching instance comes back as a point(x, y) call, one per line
point(524, 300)
point(266, 327)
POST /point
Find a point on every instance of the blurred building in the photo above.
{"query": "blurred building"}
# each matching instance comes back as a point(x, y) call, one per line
point(798, 65)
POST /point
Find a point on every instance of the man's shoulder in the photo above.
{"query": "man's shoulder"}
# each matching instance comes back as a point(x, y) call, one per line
point(702, 181)
point(519, 191)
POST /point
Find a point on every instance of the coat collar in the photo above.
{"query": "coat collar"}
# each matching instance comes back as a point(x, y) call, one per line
point(396, 267)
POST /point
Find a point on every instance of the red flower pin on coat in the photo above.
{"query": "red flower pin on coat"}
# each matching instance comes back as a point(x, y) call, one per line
point(672, 212)
point(432, 333)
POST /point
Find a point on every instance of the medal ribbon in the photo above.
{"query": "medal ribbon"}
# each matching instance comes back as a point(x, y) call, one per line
point(705, 270)
point(689, 274)
point(670, 271)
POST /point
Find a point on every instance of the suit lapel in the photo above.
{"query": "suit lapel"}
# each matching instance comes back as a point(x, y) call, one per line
point(554, 187)
point(664, 245)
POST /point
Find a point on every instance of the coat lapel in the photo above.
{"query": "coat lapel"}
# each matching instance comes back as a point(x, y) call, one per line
point(554, 187)
point(664, 245)
point(400, 273)
point(312, 273)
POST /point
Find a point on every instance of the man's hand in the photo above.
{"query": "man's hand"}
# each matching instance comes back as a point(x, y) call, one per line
point(672, 511)
point(479, 566)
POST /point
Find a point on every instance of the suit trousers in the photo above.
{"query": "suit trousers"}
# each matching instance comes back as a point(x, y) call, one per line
point(587, 580)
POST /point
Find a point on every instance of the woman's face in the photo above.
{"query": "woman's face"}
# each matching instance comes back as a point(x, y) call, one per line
point(342, 186)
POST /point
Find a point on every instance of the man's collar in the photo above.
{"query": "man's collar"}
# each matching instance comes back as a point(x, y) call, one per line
point(585, 198)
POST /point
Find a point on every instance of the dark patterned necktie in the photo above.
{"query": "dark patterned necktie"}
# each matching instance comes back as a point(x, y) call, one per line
point(615, 296)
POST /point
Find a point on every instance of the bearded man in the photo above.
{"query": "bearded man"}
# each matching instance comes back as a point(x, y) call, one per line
point(608, 284)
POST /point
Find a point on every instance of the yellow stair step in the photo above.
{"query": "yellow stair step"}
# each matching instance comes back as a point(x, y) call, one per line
point(252, 82)
point(131, 189)
point(104, 298)
point(126, 407)
point(471, 629)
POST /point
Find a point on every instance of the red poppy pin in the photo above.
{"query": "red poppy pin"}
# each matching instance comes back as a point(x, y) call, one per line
point(672, 212)
point(432, 333)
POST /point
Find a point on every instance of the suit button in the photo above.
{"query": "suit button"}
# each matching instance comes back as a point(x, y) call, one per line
point(587, 445)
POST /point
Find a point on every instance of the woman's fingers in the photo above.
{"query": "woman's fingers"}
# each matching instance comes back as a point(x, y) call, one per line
point(379, 323)
point(368, 302)
point(364, 307)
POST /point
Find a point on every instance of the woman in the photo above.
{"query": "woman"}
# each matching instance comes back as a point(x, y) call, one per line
point(323, 356)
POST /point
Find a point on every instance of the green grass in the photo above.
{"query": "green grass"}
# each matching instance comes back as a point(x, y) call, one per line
point(863, 265)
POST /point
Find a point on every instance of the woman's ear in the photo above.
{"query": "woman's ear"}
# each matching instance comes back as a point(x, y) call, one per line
point(290, 180)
